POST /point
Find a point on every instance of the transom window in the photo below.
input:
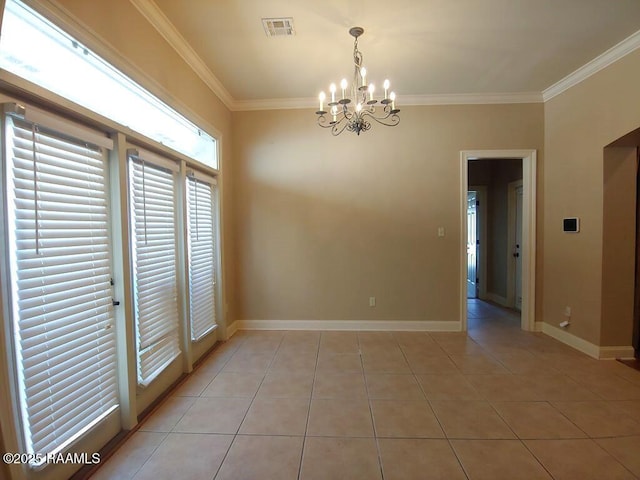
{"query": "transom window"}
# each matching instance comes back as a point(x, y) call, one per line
point(36, 50)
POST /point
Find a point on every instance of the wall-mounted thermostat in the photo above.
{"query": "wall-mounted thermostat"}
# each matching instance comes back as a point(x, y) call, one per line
point(571, 225)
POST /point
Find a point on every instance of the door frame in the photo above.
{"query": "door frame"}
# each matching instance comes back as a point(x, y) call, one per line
point(481, 214)
point(529, 169)
point(511, 239)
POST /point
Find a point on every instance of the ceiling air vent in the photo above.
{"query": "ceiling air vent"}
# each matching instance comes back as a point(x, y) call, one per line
point(278, 27)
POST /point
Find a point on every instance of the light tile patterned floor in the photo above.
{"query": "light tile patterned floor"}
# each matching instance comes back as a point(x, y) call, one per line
point(498, 403)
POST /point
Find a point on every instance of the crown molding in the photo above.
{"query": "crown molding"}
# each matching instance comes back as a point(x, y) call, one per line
point(470, 98)
point(274, 104)
point(163, 25)
point(602, 61)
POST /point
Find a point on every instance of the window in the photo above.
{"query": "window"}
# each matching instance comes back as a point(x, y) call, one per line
point(60, 264)
point(202, 228)
point(67, 354)
point(153, 229)
point(34, 49)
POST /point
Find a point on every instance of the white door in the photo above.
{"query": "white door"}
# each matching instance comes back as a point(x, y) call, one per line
point(472, 240)
point(517, 250)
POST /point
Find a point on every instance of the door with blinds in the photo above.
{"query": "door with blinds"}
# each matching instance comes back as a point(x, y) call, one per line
point(60, 274)
point(202, 250)
point(152, 200)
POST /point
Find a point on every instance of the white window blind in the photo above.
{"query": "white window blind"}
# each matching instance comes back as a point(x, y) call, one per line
point(202, 235)
point(153, 229)
point(62, 303)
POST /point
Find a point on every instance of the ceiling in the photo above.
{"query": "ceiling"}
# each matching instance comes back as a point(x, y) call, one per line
point(427, 48)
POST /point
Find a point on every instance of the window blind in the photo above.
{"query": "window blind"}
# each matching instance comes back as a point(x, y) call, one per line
point(153, 229)
point(201, 211)
point(60, 268)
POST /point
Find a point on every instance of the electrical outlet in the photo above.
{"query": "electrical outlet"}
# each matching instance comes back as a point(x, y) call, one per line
point(567, 311)
point(565, 324)
point(372, 301)
point(441, 231)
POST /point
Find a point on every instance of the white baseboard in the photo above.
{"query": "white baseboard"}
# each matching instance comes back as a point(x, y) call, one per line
point(354, 325)
point(595, 351)
point(617, 352)
point(231, 330)
point(495, 298)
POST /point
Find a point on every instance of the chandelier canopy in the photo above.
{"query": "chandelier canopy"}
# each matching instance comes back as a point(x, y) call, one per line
point(354, 109)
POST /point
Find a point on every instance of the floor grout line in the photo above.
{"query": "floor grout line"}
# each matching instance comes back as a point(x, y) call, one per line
point(306, 427)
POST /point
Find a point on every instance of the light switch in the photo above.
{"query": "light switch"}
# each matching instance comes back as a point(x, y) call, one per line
point(441, 231)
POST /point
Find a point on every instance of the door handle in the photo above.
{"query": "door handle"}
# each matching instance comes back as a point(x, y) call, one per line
point(516, 254)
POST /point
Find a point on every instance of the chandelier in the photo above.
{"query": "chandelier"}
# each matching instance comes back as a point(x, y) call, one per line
point(355, 108)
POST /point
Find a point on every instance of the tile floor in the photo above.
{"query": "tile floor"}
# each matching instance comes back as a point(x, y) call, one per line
point(498, 403)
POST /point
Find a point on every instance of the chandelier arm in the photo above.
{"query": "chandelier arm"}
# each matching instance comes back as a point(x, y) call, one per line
point(348, 114)
point(339, 127)
point(341, 123)
point(389, 120)
point(323, 122)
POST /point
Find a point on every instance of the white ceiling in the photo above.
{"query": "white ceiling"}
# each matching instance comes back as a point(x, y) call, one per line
point(425, 47)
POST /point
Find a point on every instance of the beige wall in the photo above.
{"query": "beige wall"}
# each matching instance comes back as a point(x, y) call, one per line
point(579, 123)
point(324, 223)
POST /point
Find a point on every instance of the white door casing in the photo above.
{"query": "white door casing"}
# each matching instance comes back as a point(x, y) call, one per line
point(528, 256)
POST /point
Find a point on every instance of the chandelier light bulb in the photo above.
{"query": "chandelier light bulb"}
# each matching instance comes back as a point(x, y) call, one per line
point(343, 86)
point(371, 90)
point(386, 88)
point(332, 89)
point(321, 97)
point(363, 74)
point(392, 97)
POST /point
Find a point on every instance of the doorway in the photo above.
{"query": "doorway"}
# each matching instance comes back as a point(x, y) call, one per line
point(526, 248)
